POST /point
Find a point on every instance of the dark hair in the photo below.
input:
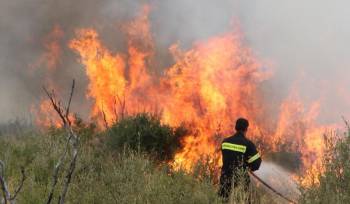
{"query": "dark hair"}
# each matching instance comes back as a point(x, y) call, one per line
point(242, 125)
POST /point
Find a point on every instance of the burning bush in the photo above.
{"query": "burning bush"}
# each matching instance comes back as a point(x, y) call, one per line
point(145, 133)
point(334, 185)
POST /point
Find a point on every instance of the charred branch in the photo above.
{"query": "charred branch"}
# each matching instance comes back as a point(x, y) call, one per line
point(5, 192)
point(72, 142)
point(4, 188)
point(122, 105)
point(57, 169)
point(69, 174)
point(104, 119)
point(19, 188)
point(346, 122)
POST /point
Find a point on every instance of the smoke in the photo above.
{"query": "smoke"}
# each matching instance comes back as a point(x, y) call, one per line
point(307, 42)
point(303, 41)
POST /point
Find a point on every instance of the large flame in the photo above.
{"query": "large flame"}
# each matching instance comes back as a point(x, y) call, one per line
point(207, 88)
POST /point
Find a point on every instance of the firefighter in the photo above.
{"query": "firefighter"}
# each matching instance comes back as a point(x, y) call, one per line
point(239, 155)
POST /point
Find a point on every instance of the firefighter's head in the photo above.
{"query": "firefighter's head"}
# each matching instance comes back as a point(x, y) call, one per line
point(242, 125)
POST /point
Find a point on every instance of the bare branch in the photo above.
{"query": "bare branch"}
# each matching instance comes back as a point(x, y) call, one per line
point(70, 171)
point(2, 168)
point(104, 118)
point(115, 109)
point(122, 106)
point(70, 101)
point(56, 105)
point(56, 171)
point(5, 192)
point(20, 185)
point(72, 140)
point(346, 122)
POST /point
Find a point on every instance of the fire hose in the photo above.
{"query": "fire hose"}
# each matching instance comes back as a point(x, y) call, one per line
point(271, 188)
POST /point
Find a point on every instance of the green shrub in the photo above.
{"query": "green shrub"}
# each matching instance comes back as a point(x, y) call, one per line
point(145, 133)
point(334, 184)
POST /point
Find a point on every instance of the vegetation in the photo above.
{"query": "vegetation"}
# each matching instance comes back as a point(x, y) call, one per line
point(145, 133)
point(100, 177)
point(105, 173)
point(113, 167)
point(334, 184)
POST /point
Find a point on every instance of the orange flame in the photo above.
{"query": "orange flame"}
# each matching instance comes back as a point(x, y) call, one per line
point(45, 115)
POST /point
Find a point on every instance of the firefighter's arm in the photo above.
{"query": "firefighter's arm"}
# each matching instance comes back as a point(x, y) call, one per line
point(253, 158)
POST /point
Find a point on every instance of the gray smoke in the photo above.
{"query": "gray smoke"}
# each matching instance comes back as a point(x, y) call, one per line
point(307, 41)
point(304, 40)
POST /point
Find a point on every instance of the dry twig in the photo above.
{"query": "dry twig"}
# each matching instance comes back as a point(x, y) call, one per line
point(14, 196)
point(122, 105)
point(5, 191)
point(346, 122)
point(72, 142)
